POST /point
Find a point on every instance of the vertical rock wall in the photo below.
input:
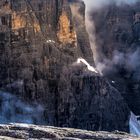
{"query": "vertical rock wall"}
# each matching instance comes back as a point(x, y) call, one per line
point(37, 55)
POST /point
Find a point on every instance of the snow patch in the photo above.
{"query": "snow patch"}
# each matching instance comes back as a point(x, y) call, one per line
point(90, 68)
point(50, 41)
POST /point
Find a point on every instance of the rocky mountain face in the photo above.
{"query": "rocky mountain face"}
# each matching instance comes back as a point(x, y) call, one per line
point(118, 42)
point(40, 42)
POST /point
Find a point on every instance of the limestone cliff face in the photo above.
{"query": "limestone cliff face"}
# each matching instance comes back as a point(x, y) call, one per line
point(88, 101)
point(39, 43)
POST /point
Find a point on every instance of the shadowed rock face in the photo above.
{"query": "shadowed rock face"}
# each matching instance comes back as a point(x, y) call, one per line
point(38, 49)
point(88, 101)
point(117, 38)
point(24, 131)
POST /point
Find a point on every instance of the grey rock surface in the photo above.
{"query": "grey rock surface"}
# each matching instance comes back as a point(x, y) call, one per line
point(33, 132)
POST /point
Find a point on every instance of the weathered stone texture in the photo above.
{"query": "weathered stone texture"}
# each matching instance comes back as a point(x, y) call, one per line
point(37, 65)
point(32, 132)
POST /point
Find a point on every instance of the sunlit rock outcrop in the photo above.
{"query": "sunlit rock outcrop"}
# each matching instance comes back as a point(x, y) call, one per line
point(65, 33)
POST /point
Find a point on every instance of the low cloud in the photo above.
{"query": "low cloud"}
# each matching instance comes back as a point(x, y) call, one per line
point(13, 110)
point(95, 4)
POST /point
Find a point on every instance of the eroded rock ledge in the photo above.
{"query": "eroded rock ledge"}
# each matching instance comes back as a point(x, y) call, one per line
point(26, 131)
